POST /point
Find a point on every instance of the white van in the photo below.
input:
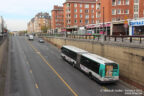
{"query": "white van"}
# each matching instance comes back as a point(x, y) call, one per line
point(31, 37)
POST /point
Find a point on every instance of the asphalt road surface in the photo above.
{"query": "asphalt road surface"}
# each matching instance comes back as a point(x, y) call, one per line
point(37, 69)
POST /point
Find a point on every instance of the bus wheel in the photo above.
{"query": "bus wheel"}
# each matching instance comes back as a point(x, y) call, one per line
point(90, 75)
point(73, 65)
point(64, 57)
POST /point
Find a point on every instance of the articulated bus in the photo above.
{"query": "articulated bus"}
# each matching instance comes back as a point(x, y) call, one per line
point(97, 67)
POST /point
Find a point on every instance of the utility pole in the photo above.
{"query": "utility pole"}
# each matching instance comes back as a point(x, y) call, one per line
point(103, 20)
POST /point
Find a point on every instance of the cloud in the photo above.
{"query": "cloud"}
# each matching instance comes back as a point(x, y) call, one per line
point(16, 24)
point(19, 11)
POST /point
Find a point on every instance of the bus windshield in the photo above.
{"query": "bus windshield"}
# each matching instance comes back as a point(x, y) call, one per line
point(115, 66)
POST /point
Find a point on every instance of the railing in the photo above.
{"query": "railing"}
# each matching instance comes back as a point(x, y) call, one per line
point(130, 39)
point(124, 38)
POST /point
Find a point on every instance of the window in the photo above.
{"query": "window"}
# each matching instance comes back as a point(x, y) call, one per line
point(98, 14)
point(75, 5)
point(118, 11)
point(119, 2)
point(92, 16)
point(113, 19)
point(68, 16)
point(92, 11)
point(98, 6)
point(69, 53)
point(80, 5)
point(86, 5)
point(75, 21)
point(86, 16)
point(135, 15)
point(80, 10)
point(90, 64)
point(68, 10)
point(75, 16)
point(80, 21)
point(86, 11)
point(136, 8)
point(68, 4)
point(75, 10)
point(127, 11)
point(113, 11)
point(93, 21)
point(80, 15)
point(86, 21)
point(97, 21)
point(122, 11)
point(127, 2)
point(68, 21)
point(92, 6)
point(113, 2)
point(136, 1)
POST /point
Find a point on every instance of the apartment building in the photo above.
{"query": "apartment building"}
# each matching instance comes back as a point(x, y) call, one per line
point(30, 26)
point(3, 26)
point(116, 10)
point(79, 12)
point(57, 17)
point(39, 21)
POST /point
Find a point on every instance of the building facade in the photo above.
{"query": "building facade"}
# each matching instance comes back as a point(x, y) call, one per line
point(116, 10)
point(3, 26)
point(39, 22)
point(57, 17)
point(79, 12)
point(119, 12)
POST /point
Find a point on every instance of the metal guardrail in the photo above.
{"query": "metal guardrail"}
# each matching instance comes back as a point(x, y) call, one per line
point(116, 38)
point(122, 38)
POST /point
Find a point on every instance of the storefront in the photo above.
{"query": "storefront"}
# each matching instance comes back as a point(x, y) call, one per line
point(119, 28)
point(136, 27)
point(99, 29)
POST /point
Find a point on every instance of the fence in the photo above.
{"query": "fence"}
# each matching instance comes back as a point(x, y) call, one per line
point(116, 38)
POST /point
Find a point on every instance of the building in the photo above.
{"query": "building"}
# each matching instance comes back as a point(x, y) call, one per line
point(79, 13)
point(30, 26)
point(57, 18)
point(41, 22)
point(3, 26)
point(136, 27)
point(118, 12)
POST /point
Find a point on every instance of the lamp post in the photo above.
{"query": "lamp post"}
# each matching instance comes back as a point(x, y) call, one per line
point(103, 21)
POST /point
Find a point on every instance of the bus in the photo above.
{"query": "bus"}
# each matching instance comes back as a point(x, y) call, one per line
point(99, 68)
point(72, 54)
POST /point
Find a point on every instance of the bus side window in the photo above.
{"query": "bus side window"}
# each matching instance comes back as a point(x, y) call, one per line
point(83, 61)
point(95, 66)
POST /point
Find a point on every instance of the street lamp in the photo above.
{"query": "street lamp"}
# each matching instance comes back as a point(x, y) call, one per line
point(103, 21)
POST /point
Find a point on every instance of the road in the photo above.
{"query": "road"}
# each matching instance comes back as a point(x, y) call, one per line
point(37, 69)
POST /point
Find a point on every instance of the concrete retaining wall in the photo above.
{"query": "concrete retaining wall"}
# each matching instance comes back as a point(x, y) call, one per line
point(3, 64)
point(130, 60)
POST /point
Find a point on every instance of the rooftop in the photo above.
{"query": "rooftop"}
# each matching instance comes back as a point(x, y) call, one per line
point(56, 7)
point(75, 49)
point(100, 59)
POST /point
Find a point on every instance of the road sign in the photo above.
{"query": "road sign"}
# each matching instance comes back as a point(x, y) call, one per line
point(126, 21)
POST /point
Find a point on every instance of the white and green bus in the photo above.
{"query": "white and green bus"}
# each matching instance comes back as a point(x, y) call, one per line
point(100, 68)
point(72, 54)
point(97, 67)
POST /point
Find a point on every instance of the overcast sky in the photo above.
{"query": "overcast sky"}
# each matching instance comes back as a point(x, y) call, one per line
point(17, 13)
